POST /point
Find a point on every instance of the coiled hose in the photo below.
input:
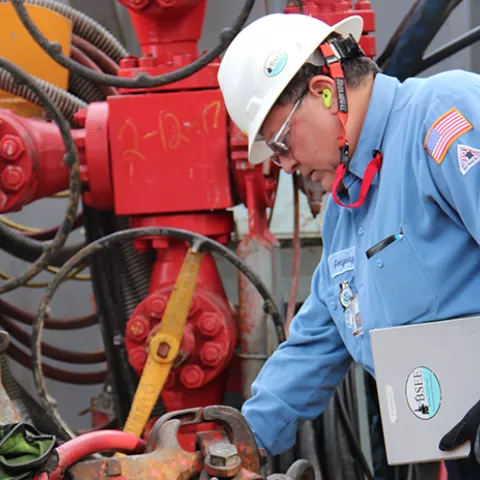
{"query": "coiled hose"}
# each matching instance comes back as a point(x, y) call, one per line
point(29, 249)
point(136, 269)
point(85, 27)
point(67, 103)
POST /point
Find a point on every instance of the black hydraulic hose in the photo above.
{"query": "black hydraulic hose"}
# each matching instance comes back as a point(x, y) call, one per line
point(70, 160)
point(142, 80)
point(49, 233)
point(449, 49)
point(352, 437)
point(198, 242)
point(85, 27)
point(67, 103)
point(30, 250)
point(107, 286)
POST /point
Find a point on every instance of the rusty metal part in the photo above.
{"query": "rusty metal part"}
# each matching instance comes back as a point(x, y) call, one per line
point(167, 461)
point(232, 422)
point(239, 433)
point(223, 460)
point(164, 344)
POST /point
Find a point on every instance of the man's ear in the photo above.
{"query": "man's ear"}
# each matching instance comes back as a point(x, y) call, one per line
point(323, 88)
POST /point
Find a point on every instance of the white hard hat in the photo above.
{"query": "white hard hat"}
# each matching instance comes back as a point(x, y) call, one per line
point(261, 61)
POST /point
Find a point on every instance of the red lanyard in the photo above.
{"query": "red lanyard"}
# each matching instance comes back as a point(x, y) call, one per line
point(333, 68)
point(372, 168)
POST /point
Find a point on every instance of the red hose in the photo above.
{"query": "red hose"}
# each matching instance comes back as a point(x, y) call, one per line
point(48, 350)
point(86, 61)
point(65, 376)
point(89, 443)
point(28, 318)
point(101, 59)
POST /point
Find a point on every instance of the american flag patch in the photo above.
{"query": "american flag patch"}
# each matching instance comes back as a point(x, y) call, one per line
point(444, 132)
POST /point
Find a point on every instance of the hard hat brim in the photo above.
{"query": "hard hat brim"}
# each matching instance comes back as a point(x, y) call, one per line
point(349, 26)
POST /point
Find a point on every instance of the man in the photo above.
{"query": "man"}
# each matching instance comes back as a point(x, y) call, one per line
point(401, 228)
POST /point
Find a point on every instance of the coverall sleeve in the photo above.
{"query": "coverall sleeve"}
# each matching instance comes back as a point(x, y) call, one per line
point(298, 380)
point(456, 174)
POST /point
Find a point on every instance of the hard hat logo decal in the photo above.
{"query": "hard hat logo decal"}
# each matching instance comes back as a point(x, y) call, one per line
point(275, 63)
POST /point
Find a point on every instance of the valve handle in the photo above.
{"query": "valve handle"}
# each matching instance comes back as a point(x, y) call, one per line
point(164, 345)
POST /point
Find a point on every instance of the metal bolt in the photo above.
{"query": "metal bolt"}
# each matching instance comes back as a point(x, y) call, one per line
point(11, 147)
point(211, 354)
point(192, 376)
point(223, 455)
point(156, 306)
point(138, 357)
point(209, 324)
point(13, 178)
point(138, 327)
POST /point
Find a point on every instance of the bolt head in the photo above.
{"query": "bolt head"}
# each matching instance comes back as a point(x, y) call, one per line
point(156, 305)
point(138, 327)
point(209, 324)
point(223, 454)
point(211, 354)
point(192, 376)
point(11, 147)
point(13, 178)
point(138, 357)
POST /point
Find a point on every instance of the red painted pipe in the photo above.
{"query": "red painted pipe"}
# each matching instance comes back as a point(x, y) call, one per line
point(88, 444)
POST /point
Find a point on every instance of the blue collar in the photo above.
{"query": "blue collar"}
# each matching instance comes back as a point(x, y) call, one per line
point(373, 130)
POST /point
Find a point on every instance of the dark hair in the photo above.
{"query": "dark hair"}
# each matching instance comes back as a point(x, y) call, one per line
point(355, 70)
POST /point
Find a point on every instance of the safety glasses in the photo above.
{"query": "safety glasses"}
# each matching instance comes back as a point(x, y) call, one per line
point(280, 142)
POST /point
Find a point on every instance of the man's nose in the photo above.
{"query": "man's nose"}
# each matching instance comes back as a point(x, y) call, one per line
point(288, 164)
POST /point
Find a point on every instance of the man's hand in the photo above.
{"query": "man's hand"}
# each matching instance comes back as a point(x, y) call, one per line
point(468, 428)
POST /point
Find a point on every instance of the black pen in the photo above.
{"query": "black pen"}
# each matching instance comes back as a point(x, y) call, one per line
point(383, 244)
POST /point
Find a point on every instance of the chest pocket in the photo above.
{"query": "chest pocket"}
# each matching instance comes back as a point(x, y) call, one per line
point(400, 285)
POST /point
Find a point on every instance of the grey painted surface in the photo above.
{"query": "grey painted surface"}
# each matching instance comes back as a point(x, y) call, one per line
point(75, 297)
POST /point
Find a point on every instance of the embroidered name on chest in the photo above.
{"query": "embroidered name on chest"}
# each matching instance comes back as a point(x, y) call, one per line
point(342, 261)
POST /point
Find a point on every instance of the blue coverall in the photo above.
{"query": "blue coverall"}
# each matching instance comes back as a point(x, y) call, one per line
point(427, 194)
